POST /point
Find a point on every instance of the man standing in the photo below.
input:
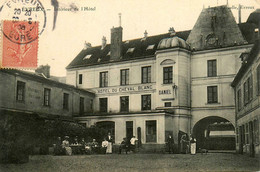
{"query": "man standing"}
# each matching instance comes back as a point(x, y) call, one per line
point(170, 144)
point(133, 143)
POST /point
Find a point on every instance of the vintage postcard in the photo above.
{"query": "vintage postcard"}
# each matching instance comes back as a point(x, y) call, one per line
point(129, 85)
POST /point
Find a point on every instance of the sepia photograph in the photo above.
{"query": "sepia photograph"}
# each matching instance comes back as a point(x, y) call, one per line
point(129, 85)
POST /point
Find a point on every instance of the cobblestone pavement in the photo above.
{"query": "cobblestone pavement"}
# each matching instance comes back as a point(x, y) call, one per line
point(136, 162)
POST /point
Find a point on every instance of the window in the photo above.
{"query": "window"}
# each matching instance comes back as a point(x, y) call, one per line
point(103, 79)
point(167, 75)
point(130, 50)
point(80, 78)
point(20, 91)
point(124, 104)
point(212, 68)
point(91, 104)
point(81, 105)
point(248, 90)
point(150, 47)
point(258, 79)
point(146, 102)
point(239, 99)
point(212, 94)
point(124, 77)
point(150, 131)
point(47, 96)
point(103, 104)
point(87, 56)
point(65, 101)
point(167, 104)
point(146, 74)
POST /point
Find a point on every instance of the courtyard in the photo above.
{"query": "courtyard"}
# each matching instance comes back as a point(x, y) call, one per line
point(137, 162)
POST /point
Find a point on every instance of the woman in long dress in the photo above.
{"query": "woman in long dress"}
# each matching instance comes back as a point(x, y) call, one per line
point(193, 146)
point(66, 145)
point(110, 142)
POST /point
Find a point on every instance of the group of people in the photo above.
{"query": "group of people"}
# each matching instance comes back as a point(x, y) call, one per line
point(82, 147)
point(128, 145)
point(188, 145)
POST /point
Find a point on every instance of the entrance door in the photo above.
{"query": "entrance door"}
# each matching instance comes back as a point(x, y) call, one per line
point(129, 129)
point(139, 136)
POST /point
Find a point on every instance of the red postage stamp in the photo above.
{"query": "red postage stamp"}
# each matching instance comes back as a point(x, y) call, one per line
point(19, 44)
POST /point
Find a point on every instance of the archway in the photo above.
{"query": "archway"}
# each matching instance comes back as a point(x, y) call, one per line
point(214, 133)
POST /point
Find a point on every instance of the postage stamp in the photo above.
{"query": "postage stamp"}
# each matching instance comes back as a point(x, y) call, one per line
point(21, 24)
point(19, 44)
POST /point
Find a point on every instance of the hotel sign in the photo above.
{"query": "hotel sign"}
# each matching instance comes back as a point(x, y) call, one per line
point(124, 89)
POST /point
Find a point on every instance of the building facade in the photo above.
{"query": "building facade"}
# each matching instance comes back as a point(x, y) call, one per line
point(30, 93)
point(247, 89)
point(174, 83)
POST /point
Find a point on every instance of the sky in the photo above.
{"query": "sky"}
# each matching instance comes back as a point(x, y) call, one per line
point(60, 46)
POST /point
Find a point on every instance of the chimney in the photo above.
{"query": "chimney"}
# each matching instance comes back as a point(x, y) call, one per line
point(87, 45)
point(145, 34)
point(172, 31)
point(116, 42)
point(239, 13)
point(43, 69)
point(104, 42)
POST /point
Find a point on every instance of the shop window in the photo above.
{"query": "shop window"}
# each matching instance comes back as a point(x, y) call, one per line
point(151, 131)
point(167, 75)
point(124, 77)
point(20, 93)
point(65, 101)
point(47, 97)
point(103, 79)
point(146, 74)
point(212, 68)
point(124, 104)
point(146, 102)
point(103, 104)
point(212, 94)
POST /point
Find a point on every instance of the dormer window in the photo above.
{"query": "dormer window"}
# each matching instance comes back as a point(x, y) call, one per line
point(150, 47)
point(87, 56)
point(126, 42)
point(143, 39)
point(99, 59)
point(130, 50)
point(108, 54)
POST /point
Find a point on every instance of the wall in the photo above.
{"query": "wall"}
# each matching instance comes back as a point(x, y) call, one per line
point(228, 64)
point(34, 96)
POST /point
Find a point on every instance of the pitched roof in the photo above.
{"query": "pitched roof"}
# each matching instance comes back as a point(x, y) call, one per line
point(234, 34)
point(40, 78)
point(140, 45)
point(216, 27)
point(254, 53)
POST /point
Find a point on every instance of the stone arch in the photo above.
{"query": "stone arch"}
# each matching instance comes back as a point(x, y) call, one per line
point(167, 62)
point(214, 132)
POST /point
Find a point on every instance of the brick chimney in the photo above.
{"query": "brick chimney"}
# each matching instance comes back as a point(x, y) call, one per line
point(104, 42)
point(116, 43)
point(43, 69)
